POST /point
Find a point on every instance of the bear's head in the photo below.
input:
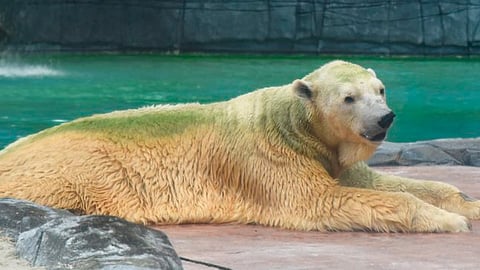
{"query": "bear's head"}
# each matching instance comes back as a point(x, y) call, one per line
point(348, 106)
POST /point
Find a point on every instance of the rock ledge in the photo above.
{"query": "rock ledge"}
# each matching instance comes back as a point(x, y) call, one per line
point(464, 152)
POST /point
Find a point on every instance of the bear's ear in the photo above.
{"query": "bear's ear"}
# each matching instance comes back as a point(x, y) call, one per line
point(302, 89)
point(372, 72)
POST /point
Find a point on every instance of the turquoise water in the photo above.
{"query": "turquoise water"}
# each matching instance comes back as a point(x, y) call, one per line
point(433, 98)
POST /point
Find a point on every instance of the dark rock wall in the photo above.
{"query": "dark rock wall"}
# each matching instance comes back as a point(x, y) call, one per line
point(431, 27)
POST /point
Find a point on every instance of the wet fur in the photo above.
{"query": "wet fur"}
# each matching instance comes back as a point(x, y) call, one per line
point(282, 156)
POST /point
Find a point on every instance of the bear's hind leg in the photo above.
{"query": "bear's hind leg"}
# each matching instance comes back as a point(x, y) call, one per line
point(48, 192)
point(346, 209)
point(80, 196)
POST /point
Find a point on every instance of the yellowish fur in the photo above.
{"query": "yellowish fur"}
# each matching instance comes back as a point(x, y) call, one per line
point(288, 156)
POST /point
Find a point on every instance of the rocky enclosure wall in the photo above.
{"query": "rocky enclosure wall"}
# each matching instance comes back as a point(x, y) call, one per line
point(423, 27)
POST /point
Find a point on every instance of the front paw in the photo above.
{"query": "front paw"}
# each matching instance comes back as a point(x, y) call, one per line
point(471, 210)
point(438, 220)
point(464, 205)
point(456, 223)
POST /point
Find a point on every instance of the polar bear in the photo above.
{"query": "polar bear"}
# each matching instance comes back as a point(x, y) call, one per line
point(290, 156)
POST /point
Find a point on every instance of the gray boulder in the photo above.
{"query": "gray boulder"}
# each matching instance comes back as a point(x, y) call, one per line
point(96, 242)
point(17, 216)
point(464, 152)
point(57, 239)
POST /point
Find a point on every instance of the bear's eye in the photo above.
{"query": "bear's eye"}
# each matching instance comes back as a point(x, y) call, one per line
point(349, 99)
point(382, 91)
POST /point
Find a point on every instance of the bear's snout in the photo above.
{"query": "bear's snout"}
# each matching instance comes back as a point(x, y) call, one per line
point(386, 120)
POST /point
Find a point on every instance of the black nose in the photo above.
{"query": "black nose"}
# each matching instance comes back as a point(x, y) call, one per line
point(386, 120)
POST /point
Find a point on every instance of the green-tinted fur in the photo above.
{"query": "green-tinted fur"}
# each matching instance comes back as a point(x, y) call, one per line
point(153, 124)
point(131, 125)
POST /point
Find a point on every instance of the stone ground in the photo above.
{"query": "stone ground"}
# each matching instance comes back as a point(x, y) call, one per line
point(256, 247)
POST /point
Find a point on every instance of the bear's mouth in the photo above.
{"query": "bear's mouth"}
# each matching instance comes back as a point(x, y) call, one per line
point(376, 138)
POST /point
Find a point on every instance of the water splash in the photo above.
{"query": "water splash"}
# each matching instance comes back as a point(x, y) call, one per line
point(14, 70)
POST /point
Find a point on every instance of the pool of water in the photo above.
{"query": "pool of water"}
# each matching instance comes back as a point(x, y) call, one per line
point(433, 98)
